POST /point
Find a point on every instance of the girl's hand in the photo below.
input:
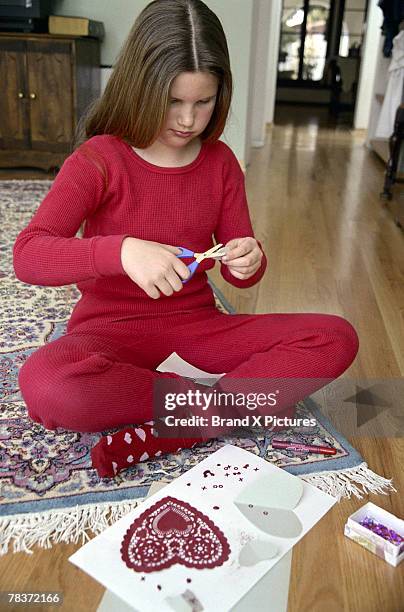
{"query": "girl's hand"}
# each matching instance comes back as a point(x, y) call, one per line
point(243, 257)
point(153, 266)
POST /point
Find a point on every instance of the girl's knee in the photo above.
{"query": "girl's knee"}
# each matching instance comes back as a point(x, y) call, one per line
point(45, 393)
point(29, 383)
point(347, 333)
point(64, 394)
point(346, 341)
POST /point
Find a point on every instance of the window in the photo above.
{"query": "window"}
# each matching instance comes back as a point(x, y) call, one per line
point(313, 31)
point(304, 34)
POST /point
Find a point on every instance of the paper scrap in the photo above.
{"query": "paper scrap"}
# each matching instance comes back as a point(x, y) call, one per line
point(178, 365)
point(257, 551)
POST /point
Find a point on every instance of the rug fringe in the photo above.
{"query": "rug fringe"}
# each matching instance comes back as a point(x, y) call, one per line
point(343, 483)
point(23, 531)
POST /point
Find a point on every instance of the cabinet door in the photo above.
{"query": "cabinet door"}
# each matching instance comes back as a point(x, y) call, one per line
point(14, 111)
point(50, 90)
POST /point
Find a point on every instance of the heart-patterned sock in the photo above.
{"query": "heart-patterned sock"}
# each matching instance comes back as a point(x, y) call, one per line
point(131, 445)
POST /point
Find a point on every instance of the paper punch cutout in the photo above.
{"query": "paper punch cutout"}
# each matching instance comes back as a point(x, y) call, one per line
point(172, 531)
point(274, 521)
point(268, 504)
point(186, 602)
point(256, 551)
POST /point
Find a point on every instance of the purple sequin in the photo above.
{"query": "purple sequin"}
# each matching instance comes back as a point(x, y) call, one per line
point(388, 534)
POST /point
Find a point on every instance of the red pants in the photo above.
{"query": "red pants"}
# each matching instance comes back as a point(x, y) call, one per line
point(101, 378)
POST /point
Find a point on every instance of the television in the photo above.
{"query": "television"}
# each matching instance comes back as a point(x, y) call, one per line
point(25, 15)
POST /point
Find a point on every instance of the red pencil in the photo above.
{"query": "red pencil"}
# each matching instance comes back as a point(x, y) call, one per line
point(299, 446)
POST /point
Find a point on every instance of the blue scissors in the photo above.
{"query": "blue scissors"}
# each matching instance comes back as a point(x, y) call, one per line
point(215, 252)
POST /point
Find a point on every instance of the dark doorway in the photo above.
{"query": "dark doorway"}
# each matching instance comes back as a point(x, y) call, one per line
point(320, 53)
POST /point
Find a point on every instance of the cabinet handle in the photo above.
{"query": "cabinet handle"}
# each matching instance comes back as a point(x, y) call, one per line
point(20, 95)
point(32, 96)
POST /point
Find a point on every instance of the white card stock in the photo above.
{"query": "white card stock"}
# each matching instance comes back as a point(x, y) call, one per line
point(203, 524)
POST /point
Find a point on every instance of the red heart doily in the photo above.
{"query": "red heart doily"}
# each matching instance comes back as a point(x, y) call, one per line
point(172, 531)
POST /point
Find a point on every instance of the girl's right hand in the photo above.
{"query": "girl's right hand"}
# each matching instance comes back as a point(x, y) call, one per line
point(153, 266)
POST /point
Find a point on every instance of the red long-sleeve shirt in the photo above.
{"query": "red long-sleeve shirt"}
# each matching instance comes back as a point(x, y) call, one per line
point(117, 193)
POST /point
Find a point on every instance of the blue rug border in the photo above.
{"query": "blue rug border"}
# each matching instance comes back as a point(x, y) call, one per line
point(132, 493)
point(221, 297)
point(354, 459)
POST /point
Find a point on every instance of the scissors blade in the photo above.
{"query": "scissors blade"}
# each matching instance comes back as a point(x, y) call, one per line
point(219, 254)
point(210, 252)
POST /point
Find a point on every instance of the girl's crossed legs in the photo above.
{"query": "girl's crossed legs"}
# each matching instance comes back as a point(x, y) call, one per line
point(101, 379)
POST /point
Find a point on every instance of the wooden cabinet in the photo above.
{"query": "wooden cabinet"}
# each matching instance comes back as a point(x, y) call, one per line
point(47, 82)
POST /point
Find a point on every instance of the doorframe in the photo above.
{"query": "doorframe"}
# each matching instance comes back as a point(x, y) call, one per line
point(268, 85)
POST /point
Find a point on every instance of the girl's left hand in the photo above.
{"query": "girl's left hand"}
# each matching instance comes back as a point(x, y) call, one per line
point(243, 257)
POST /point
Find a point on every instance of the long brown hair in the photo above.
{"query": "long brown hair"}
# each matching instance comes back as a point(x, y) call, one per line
point(167, 38)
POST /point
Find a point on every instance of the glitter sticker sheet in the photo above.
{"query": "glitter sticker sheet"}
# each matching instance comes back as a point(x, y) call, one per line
point(206, 538)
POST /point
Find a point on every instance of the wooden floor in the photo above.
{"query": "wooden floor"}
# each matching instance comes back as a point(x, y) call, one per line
point(332, 248)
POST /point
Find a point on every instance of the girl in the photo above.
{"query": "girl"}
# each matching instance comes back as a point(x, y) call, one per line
point(151, 174)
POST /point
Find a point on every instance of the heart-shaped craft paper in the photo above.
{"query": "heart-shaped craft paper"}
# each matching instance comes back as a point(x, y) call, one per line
point(274, 521)
point(256, 551)
point(279, 490)
point(268, 504)
point(172, 531)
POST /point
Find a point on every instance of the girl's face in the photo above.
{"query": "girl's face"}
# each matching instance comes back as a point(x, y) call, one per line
point(191, 104)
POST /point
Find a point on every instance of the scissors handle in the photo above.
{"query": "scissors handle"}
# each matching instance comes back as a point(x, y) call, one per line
point(184, 252)
point(192, 266)
point(213, 252)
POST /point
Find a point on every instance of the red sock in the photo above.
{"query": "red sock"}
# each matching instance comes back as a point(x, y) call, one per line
point(131, 445)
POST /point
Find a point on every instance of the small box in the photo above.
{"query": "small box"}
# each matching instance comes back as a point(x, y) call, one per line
point(392, 553)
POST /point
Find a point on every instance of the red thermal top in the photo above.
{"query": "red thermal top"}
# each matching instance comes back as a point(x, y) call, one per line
point(118, 194)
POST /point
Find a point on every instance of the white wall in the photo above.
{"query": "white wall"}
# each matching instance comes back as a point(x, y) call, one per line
point(368, 66)
point(117, 16)
point(259, 73)
point(273, 53)
point(237, 17)
point(252, 81)
point(263, 71)
point(379, 89)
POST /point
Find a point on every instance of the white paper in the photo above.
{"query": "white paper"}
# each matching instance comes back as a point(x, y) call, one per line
point(178, 365)
point(219, 588)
